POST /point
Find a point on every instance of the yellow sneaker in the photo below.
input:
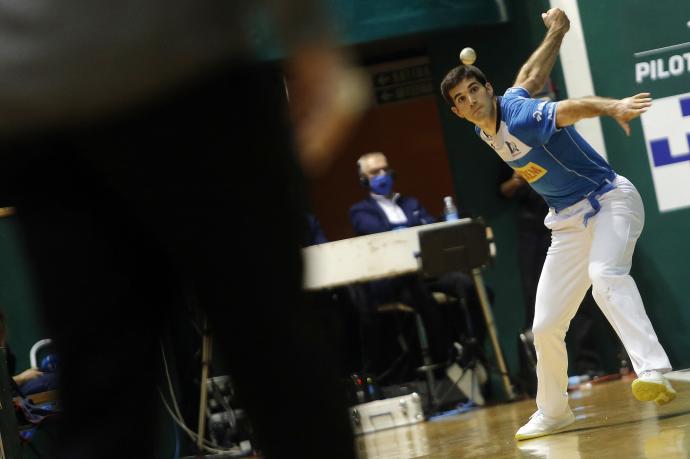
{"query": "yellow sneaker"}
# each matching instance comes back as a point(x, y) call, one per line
point(651, 385)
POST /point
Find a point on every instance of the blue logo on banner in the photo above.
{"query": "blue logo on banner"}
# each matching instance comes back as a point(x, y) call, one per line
point(661, 150)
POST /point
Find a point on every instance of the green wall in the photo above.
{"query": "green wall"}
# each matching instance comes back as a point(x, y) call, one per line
point(16, 297)
point(361, 21)
point(663, 252)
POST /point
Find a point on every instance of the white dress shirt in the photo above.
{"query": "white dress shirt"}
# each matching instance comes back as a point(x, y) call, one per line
point(393, 211)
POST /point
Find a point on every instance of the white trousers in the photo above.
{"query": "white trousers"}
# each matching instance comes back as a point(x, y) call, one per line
point(600, 255)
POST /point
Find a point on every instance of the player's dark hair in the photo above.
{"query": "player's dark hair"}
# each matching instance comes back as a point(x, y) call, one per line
point(458, 74)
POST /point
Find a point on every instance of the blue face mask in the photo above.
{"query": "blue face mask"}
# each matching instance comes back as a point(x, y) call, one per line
point(382, 184)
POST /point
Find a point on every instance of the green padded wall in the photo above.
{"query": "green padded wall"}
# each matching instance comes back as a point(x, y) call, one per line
point(361, 21)
point(16, 296)
point(646, 34)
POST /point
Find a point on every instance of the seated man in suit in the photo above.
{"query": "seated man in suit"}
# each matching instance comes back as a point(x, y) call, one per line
point(384, 210)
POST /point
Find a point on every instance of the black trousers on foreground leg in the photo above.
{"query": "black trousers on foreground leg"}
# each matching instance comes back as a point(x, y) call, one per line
point(196, 192)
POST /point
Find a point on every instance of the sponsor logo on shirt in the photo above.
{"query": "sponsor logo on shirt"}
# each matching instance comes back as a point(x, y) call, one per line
point(531, 172)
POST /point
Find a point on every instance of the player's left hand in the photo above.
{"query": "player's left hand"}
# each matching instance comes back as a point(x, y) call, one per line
point(630, 108)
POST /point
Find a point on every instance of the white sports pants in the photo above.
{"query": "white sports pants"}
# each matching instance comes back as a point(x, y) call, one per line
point(600, 255)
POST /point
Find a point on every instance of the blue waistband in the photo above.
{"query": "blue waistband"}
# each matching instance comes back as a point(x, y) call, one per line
point(606, 186)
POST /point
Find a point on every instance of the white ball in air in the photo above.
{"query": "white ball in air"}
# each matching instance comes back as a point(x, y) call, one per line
point(468, 56)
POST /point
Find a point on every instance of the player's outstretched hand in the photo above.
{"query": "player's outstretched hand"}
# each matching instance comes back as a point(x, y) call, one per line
point(629, 108)
point(556, 19)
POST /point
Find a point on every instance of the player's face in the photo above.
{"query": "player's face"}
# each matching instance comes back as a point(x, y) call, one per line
point(472, 100)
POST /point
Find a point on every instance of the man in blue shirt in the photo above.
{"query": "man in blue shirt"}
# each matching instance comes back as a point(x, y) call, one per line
point(595, 215)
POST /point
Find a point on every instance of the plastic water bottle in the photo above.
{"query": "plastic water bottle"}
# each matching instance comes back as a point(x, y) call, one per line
point(449, 209)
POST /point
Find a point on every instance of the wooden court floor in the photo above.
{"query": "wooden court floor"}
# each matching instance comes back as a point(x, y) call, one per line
point(610, 423)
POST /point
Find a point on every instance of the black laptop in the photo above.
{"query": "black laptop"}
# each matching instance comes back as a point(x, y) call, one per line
point(461, 246)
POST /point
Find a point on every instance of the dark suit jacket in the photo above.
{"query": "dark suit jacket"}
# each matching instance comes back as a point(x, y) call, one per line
point(313, 232)
point(367, 217)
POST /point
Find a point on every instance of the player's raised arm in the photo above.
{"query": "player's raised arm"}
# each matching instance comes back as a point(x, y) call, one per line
point(534, 72)
point(573, 110)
